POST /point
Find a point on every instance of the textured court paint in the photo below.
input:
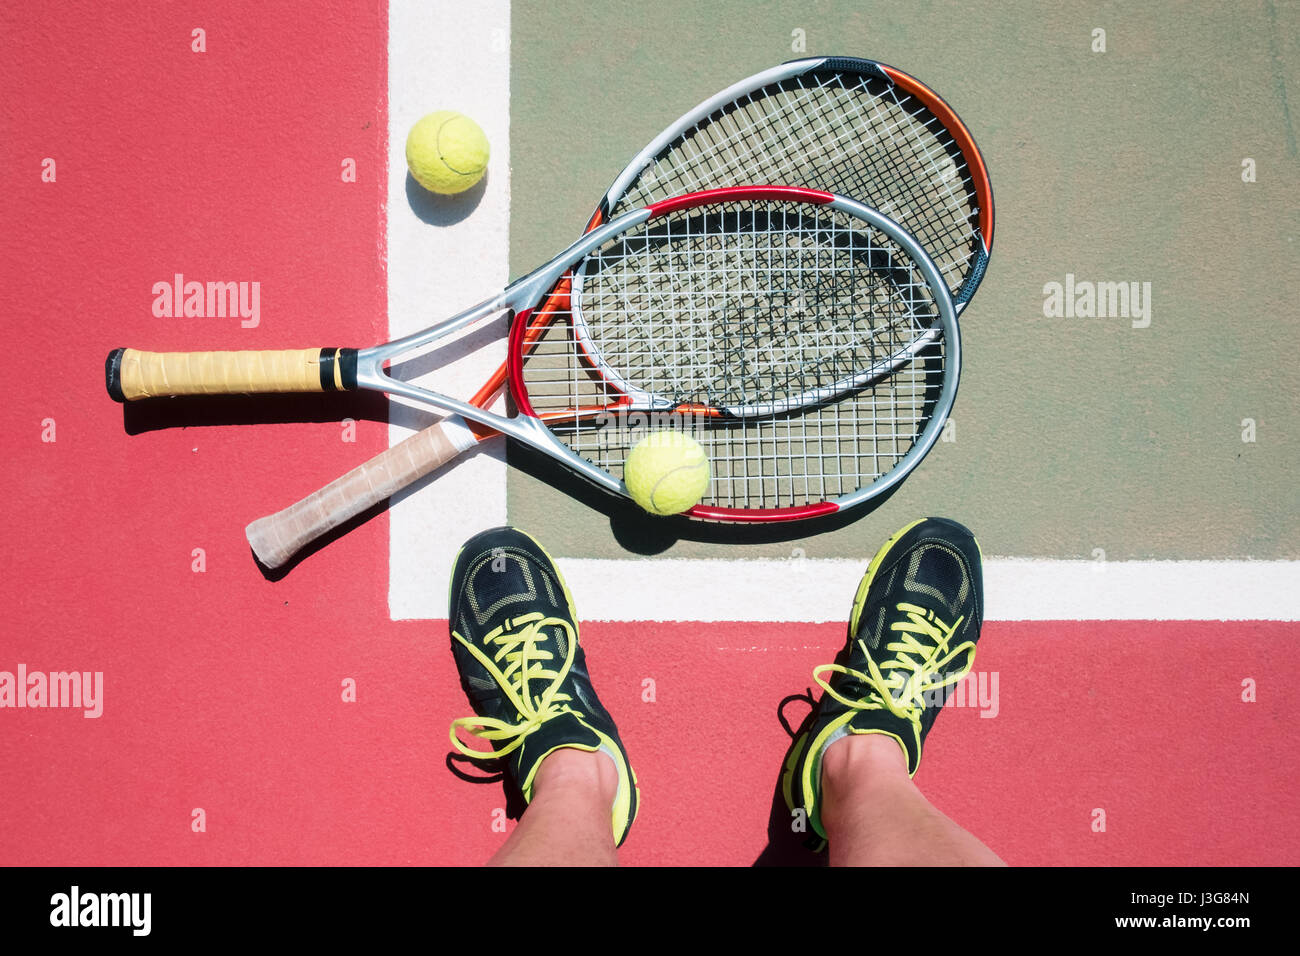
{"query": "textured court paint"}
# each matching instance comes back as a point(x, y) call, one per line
point(1125, 718)
point(223, 690)
point(1072, 434)
point(446, 254)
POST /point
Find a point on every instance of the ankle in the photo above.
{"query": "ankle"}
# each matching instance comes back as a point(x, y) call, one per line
point(576, 773)
point(858, 757)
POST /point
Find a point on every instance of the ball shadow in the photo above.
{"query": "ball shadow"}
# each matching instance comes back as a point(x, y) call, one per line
point(646, 534)
point(439, 210)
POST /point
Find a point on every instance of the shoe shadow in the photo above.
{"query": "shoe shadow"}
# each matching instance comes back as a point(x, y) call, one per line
point(790, 842)
point(515, 802)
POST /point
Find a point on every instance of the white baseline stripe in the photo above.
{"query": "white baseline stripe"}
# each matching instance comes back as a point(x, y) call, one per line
point(446, 254)
point(816, 590)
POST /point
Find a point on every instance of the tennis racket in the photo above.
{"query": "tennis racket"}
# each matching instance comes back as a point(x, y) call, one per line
point(806, 340)
point(848, 126)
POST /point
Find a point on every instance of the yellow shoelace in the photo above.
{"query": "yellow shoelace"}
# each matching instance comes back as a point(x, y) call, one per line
point(517, 664)
point(901, 682)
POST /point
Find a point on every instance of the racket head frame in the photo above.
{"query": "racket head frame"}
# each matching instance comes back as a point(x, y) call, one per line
point(946, 329)
point(765, 82)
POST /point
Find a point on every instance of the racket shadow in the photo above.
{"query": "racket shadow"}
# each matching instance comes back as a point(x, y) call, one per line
point(209, 410)
point(473, 341)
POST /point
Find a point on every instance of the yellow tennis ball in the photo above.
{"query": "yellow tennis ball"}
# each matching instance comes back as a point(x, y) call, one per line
point(446, 152)
point(667, 472)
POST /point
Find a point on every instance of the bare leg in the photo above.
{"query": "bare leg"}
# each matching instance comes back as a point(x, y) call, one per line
point(567, 823)
point(875, 816)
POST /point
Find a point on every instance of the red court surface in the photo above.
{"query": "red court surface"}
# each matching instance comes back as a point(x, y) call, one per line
point(223, 691)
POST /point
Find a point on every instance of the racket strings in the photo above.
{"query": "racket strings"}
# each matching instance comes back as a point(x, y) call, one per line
point(755, 329)
point(826, 452)
point(848, 133)
point(750, 307)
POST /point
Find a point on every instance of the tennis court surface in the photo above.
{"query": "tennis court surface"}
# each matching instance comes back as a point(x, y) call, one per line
point(1129, 473)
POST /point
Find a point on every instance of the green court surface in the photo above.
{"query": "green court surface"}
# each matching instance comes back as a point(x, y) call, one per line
point(1074, 435)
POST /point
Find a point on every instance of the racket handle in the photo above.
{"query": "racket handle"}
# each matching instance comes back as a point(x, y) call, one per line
point(131, 375)
point(278, 537)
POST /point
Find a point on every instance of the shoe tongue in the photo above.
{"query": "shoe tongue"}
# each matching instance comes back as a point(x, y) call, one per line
point(553, 639)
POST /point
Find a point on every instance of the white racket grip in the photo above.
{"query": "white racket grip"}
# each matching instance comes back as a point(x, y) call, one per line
point(278, 537)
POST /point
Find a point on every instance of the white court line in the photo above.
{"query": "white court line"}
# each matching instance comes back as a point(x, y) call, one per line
point(462, 62)
point(807, 589)
point(458, 60)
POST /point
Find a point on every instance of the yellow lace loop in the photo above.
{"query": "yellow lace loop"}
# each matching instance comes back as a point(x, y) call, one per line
point(901, 682)
point(517, 664)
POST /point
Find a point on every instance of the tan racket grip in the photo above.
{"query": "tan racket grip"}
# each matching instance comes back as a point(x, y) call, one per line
point(278, 537)
point(133, 375)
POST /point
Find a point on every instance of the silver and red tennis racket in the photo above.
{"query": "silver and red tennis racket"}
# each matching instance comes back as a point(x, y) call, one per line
point(849, 126)
point(807, 341)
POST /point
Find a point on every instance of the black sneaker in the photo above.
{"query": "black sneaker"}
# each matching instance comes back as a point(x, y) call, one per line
point(912, 634)
point(514, 634)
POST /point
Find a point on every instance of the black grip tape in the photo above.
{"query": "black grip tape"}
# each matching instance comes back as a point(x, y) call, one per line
point(327, 369)
point(347, 359)
point(347, 365)
point(113, 375)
